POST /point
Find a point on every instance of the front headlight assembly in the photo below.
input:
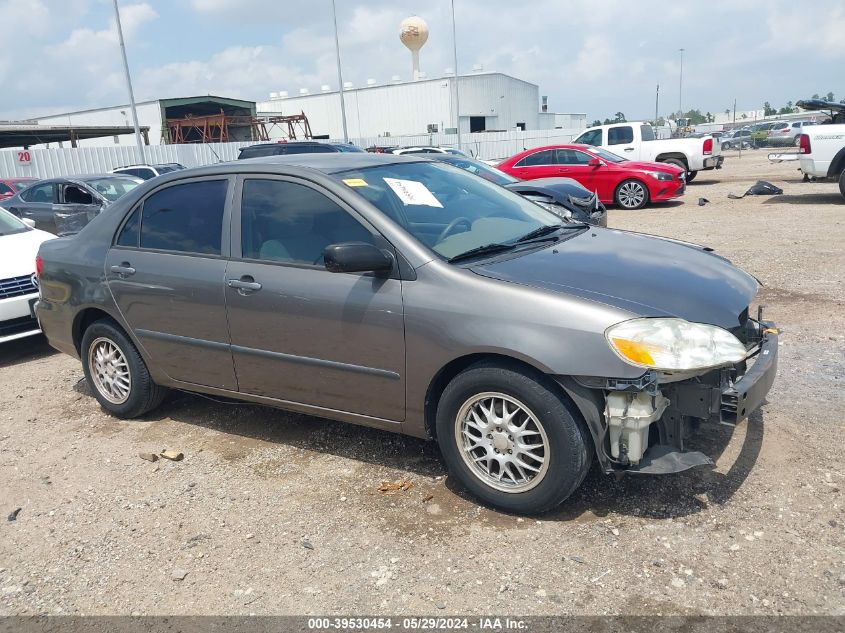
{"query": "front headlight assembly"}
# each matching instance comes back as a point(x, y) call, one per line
point(660, 175)
point(674, 344)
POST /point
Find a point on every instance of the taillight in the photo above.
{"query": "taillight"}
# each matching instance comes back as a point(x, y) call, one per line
point(708, 146)
point(39, 265)
point(804, 144)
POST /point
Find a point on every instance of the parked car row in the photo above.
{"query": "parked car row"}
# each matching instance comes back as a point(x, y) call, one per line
point(419, 297)
point(766, 134)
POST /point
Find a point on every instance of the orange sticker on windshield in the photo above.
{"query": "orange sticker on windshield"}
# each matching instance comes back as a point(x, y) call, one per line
point(355, 182)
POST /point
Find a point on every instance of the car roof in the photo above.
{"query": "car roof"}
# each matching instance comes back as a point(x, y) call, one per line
point(328, 163)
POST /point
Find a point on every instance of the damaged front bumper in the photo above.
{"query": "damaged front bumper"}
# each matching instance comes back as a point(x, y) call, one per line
point(644, 421)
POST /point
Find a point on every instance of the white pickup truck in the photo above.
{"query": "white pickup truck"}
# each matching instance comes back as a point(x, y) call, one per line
point(821, 152)
point(637, 141)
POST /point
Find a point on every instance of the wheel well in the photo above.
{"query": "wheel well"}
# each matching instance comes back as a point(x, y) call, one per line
point(455, 367)
point(83, 320)
point(837, 165)
point(662, 158)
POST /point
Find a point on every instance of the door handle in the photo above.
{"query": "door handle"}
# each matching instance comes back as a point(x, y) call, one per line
point(629, 149)
point(244, 285)
point(124, 270)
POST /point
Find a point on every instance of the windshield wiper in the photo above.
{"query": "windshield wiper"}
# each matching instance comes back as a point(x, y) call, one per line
point(546, 230)
point(482, 250)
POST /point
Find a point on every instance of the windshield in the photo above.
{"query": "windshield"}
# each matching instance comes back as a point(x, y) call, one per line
point(608, 156)
point(112, 188)
point(9, 224)
point(348, 148)
point(485, 171)
point(447, 209)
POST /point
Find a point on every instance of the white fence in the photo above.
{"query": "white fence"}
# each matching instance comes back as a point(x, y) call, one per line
point(51, 163)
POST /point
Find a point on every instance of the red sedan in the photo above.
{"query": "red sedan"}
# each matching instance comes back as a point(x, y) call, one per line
point(630, 184)
point(10, 186)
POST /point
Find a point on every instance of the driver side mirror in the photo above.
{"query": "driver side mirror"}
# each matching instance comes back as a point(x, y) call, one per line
point(356, 257)
point(595, 162)
point(29, 222)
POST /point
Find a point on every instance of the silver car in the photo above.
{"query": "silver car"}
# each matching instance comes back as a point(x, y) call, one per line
point(786, 132)
point(415, 297)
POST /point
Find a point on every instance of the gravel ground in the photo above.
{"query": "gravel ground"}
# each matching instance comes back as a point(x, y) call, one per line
point(271, 512)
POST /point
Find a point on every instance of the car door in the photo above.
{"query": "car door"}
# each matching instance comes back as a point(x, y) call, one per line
point(37, 203)
point(299, 332)
point(573, 163)
point(166, 272)
point(540, 164)
point(75, 207)
point(620, 140)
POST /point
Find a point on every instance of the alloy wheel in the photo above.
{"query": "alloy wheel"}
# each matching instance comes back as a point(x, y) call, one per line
point(631, 195)
point(109, 370)
point(502, 442)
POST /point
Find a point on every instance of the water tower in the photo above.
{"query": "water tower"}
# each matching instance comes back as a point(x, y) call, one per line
point(413, 32)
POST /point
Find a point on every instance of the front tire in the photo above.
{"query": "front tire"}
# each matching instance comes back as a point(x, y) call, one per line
point(116, 373)
point(631, 194)
point(510, 439)
point(691, 176)
point(842, 183)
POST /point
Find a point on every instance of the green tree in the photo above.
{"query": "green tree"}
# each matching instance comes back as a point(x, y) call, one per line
point(815, 96)
point(608, 122)
point(829, 96)
point(768, 110)
point(727, 110)
point(710, 117)
point(595, 123)
point(660, 121)
point(619, 117)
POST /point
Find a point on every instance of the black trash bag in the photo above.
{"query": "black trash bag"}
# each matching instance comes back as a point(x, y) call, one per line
point(759, 188)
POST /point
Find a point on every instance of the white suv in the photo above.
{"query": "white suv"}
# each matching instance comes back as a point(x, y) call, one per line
point(146, 172)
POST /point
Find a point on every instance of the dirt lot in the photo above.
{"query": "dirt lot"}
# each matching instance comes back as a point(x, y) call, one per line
point(277, 513)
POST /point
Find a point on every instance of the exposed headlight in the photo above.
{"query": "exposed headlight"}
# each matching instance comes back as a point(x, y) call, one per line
point(674, 344)
point(660, 175)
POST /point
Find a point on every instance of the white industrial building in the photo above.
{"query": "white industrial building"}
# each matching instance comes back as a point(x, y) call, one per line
point(488, 101)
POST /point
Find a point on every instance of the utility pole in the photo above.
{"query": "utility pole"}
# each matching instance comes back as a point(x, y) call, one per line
point(129, 84)
point(681, 86)
point(457, 77)
point(340, 77)
point(656, 103)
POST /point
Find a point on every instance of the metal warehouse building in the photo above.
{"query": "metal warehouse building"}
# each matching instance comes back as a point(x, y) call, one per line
point(488, 101)
point(162, 117)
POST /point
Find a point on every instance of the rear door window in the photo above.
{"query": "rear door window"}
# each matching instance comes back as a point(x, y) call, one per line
point(186, 218)
point(545, 157)
point(620, 135)
point(39, 193)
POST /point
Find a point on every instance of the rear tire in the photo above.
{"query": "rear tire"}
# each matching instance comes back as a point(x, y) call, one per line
point(631, 194)
point(677, 162)
point(726, 146)
point(842, 183)
point(116, 373)
point(489, 417)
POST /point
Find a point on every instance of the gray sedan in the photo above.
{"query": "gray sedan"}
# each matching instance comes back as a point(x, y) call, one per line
point(412, 296)
point(64, 205)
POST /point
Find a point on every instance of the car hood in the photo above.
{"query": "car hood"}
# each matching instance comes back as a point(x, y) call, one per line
point(19, 251)
point(647, 166)
point(565, 186)
point(644, 275)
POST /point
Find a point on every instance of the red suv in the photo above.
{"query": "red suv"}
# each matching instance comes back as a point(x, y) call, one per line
point(630, 184)
point(10, 186)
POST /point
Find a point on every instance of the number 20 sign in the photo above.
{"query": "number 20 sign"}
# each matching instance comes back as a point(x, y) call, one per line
point(24, 157)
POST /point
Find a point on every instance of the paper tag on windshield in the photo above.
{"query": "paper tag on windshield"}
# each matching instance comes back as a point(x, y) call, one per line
point(355, 182)
point(412, 192)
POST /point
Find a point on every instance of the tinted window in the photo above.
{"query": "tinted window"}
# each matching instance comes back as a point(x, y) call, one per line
point(546, 157)
point(619, 135)
point(593, 137)
point(38, 193)
point(75, 194)
point(5, 188)
point(130, 232)
point(287, 222)
point(186, 218)
point(647, 132)
point(261, 150)
point(572, 157)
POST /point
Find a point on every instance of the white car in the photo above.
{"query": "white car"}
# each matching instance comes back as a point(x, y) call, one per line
point(19, 243)
point(431, 150)
point(146, 172)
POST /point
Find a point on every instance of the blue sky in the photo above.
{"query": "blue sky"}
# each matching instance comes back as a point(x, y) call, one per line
point(592, 57)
